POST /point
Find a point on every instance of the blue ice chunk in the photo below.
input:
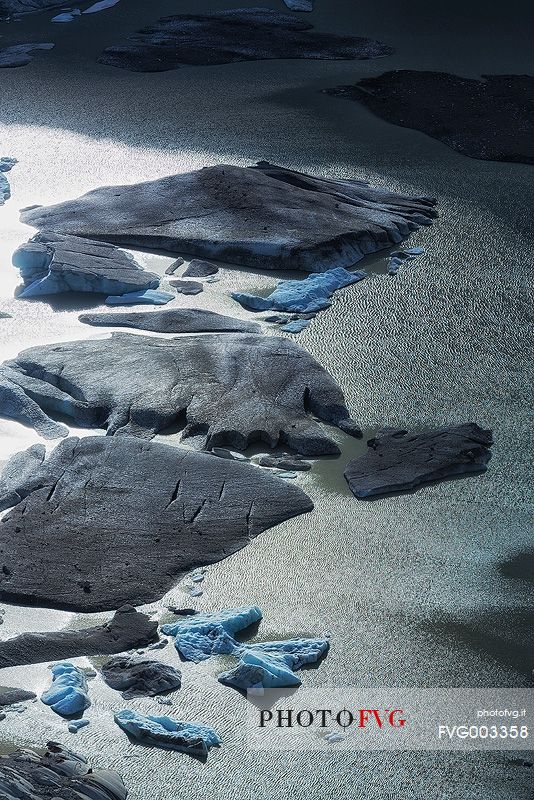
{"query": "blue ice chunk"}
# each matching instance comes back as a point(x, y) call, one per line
point(272, 665)
point(414, 251)
point(253, 301)
point(397, 258)
point(393, 265)
point(5, 191)
point(203, 635)
point(296, 326)
point(170, 734)
point(68, 694)
point(259, 670)
point(75, 725)
point(147, 297)
point(67, 16)
point(296, 653)
point(6, 163)
point(100, 6)
point(333, 737)
point(304, 296)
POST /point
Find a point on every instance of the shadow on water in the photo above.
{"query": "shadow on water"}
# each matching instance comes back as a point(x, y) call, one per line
point(520, 566)
point(71, 301)
point(179, 753)
point(506, 635)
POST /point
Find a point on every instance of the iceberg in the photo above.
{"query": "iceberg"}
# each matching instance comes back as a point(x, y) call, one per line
point(68, 694)
point(146, 297)
point(67, 16)
point(76, 724)
point(296, 326)
point(299, 5)
point(170, 734)
point(398, 461)
point(55, 772)
point(100, 6)
point(200, 269)
point(397, 259)
point(272, 665)
point(138, 677)
point(51, 263)
point(264, 217)
point(6, 164)
point(304, 296)
point(203, 635)
point(18, 55)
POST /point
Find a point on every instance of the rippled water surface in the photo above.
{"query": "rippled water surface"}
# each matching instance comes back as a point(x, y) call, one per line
point(424, 589)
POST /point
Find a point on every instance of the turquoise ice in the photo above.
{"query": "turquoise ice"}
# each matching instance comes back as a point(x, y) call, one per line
point(304, 296)
point(170, 734)
point(202, 635)
point(68, 694)
point(272, 665)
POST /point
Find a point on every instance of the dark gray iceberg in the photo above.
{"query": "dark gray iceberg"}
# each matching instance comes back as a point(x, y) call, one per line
point(300, 5)
point(490, 119)
point(10, 695)
point(398, 461)
point(57, 773)
point(140, 677)
point(112, 520)
point(200, 269)
point(289, 462)
point(52, 263)
point(9, 8)
point(240, 34)
point(265, 217)
point(231, 389)
point(16, 402)
point(19, 55)
point(17, 470)
point(176, 320)
point(186, 287)
point(127, 630)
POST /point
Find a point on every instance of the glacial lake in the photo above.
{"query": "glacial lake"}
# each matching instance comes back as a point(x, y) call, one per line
point(423, 589)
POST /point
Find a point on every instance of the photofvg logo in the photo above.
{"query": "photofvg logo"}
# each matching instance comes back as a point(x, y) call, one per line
point(391, 719)
point(326, 718)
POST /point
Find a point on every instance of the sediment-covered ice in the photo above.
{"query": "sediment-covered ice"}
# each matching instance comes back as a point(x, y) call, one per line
point(56, 773)
point(51, 263)
point(18, 55)
point(233, 389)
point(397, 460)
point(299, 5)
point(264, 217)
point(137, 677)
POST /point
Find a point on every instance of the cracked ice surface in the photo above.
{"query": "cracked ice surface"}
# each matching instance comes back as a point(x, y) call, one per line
point(204, 635)
point(272, 665)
